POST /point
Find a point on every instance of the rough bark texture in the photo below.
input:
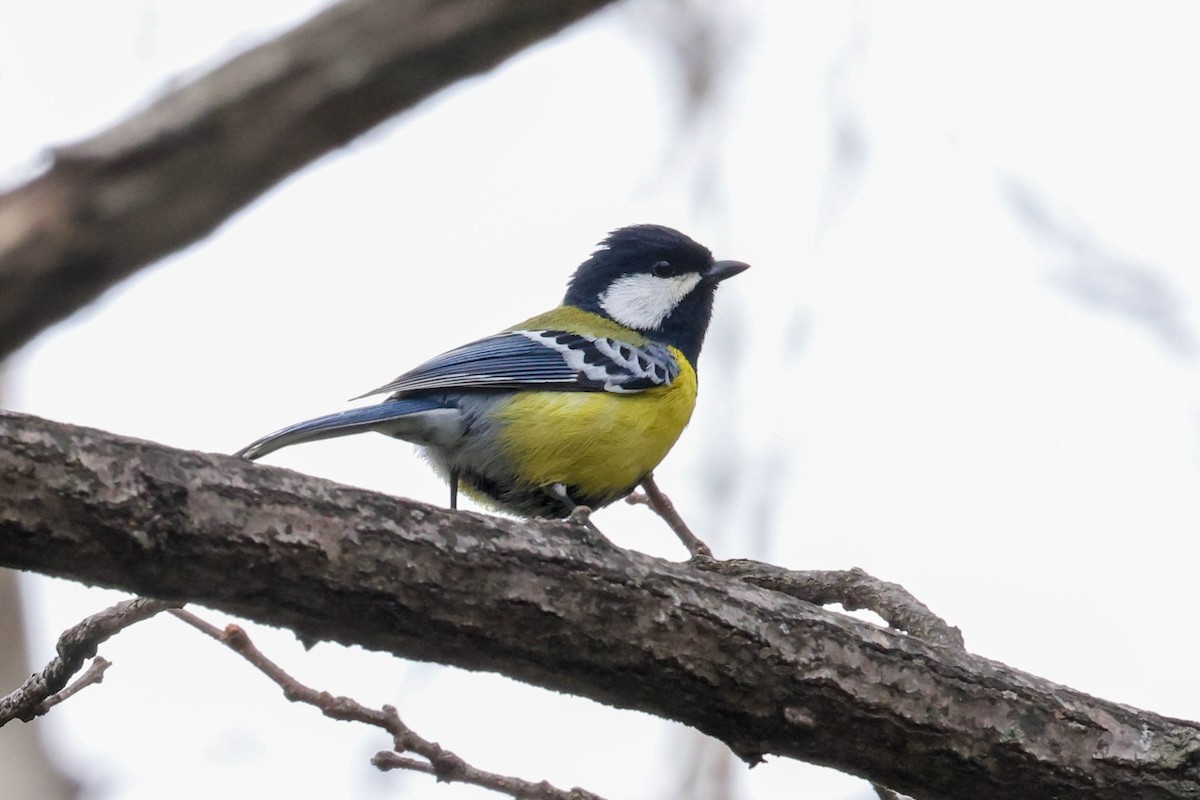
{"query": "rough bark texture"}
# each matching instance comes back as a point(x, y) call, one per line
point(42, 690)
point(172, 173)
point(551, 604)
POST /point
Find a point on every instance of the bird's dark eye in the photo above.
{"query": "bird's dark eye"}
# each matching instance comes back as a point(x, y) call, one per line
point(661, 269)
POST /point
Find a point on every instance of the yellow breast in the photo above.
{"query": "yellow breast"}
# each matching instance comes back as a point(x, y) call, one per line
point(600, 443)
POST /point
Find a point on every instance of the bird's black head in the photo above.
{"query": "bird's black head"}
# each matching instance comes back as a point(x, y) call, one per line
point(655, 280)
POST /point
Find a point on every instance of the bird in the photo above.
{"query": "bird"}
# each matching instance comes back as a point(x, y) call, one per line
point(571, 408)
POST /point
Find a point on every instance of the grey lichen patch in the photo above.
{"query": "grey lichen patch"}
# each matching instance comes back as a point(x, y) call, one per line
point(1178, 752)
point(1139, 745)
point(801, 717)
point(288, 534)
point(117, 480)
point(460, 538)
point(302, 532)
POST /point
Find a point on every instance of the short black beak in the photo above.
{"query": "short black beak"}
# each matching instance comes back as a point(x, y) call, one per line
point(725, 269)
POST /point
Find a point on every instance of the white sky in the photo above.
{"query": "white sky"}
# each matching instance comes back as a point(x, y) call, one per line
point(906, 381)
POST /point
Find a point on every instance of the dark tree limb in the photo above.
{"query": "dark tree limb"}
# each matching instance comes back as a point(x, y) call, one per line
point(854, 589)
point(172, 173)
point(439, 762)
point(550, 604)
point(76, 645)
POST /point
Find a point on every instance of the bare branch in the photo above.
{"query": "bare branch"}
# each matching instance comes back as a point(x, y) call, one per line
point(549, 603)
point(854, 589)
point(92, 675)
point(444, 765)
point(76, 645)
point(515, 787)
point(172, 173)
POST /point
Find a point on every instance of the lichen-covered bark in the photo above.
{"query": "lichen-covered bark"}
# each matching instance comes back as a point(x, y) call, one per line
point(554, 605)
point(170, 174)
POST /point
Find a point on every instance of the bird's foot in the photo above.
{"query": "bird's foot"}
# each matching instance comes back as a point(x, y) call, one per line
point(581, 515)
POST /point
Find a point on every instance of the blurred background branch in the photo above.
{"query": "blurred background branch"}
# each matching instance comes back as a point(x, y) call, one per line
point(170, 174)
point(24, 761)
point(1097, 275)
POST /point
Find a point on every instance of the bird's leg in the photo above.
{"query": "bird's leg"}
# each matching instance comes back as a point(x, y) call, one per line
point(662, 505)
point(453, 490)
point(579, 514)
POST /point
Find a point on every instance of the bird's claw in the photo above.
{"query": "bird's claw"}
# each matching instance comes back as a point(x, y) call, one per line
point(581, 515)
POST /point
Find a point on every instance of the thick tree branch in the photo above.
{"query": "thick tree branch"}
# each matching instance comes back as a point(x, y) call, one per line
point(554, 605)
point(172, 173)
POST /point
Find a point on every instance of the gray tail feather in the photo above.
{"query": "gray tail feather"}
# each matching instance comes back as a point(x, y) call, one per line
point(393, 417)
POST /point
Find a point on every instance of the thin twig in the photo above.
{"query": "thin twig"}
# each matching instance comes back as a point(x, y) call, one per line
point(442, 764)
point(390, 759)
point(75, 646)
point(92, 675)
point(662, 505)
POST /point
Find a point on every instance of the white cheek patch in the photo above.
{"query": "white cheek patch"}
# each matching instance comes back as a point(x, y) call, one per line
point(643, 301)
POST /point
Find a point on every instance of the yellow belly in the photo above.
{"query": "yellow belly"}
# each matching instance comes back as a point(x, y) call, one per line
point(599, 443)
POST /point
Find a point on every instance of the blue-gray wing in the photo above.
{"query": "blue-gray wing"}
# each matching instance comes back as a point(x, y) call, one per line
point(558, 360)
